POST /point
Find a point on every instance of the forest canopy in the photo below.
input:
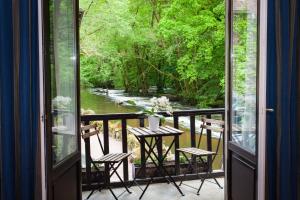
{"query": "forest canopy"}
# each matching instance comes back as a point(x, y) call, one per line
point(176, 45)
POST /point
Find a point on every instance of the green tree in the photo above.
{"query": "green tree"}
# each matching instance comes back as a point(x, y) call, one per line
point(136, 44)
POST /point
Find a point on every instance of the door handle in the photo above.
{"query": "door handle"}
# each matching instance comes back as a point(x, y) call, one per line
point(270, 110)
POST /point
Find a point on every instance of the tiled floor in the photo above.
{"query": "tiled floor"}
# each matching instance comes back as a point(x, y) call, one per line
point(164, 191)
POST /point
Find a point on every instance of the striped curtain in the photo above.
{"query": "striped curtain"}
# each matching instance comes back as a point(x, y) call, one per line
point(19, 99)
point(283, 128)
point(6, 102)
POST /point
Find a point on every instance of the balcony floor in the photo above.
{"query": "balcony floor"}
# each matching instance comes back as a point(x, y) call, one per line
point(163, 191)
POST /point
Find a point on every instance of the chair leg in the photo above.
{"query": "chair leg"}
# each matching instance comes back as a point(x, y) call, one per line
point(91, 193)
point(217, 182)
point(190, 167)
point(184, 175)
point(122, 182)
point(202, 181)
point(111, 191)
point(146, 188)
point(111, 167)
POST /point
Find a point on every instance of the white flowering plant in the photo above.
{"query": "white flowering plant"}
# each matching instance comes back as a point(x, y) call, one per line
point(61, 102)
point(157, 105)
point(160, 104)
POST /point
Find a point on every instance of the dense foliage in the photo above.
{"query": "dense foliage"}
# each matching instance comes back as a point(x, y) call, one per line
point(174, 44)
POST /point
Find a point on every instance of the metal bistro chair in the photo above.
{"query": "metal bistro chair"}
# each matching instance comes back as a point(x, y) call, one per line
point(206, 157)
point(111, 159)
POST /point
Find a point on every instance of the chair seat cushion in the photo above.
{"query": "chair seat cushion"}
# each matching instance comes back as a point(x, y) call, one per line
point(196, 151)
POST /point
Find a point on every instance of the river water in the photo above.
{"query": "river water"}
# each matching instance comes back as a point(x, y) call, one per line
point(105, 102)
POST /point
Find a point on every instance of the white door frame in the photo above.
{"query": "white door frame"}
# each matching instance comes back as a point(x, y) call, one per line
point(42, 103)
point(261, 165)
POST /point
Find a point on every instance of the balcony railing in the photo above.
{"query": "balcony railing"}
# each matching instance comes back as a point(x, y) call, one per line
point(89, 182)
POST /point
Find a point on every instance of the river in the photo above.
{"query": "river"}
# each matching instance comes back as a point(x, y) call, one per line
point(105, 102)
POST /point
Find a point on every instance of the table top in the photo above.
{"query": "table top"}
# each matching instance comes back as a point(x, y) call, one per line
point(162, 131)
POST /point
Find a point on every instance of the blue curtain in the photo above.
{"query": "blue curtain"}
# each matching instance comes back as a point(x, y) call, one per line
point(28, 96)
point(283, 144)
point(6, 99)
point(19, 98)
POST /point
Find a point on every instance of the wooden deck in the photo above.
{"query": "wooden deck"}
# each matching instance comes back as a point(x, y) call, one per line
point(163, 191)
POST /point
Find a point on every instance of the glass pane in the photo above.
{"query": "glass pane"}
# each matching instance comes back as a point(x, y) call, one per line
point(63, 79)
point(244, 56)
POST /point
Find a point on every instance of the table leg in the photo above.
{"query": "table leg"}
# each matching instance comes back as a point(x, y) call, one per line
point(151, 150)
point(143, 156)
point(177, 158)
point(159, 150)
point(143, 164)
point(163, 171)
point(158, 162)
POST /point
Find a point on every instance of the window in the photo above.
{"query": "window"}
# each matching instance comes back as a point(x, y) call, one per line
point(244, 64)
point(63, 79)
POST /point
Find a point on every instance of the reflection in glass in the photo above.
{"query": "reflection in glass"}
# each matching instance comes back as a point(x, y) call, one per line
point(244, 56)
point(63, 79)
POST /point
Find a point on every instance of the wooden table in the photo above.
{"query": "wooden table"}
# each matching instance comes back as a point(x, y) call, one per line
point(141, 133)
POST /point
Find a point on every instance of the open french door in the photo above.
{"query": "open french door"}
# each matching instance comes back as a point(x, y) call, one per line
point(245, 101)
point(62, 113)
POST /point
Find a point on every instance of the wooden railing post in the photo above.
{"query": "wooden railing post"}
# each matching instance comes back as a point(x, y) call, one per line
point(106, 136)
point(209, 144)
point(142, 122)
point(125, 148)
point(106, 147)
point(193, 131)
point(176, 122)
point(193, 135)
point(209, 141)
point(177, 158)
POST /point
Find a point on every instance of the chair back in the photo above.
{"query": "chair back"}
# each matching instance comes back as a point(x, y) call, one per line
point(89, 131)
point(216, 126)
